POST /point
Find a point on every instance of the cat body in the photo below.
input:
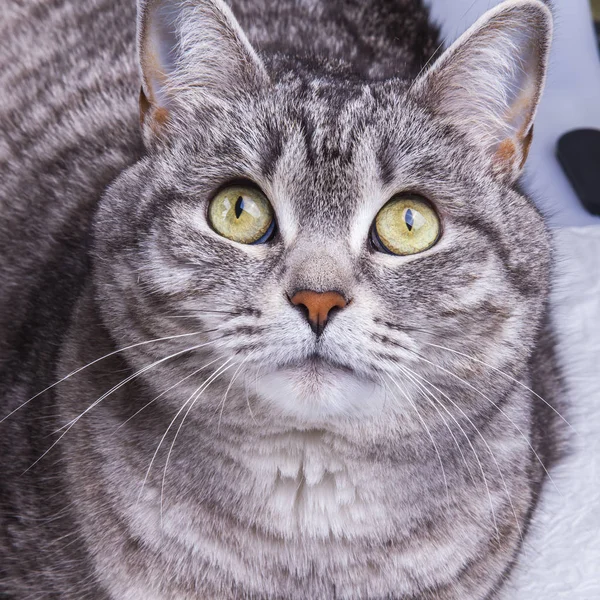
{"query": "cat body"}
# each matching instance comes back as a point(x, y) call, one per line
point(399, 453)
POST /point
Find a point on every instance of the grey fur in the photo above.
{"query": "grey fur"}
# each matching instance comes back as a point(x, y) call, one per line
point(308, 468)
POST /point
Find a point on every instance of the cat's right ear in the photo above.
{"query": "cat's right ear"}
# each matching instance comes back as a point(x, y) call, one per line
point(190, 50)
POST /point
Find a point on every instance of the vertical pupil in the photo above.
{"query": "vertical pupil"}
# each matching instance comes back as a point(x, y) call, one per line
point(239, 207)
point(409, 219)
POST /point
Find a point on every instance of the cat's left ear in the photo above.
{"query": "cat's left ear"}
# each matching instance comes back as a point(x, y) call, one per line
point(192, 48)
point(488, 84)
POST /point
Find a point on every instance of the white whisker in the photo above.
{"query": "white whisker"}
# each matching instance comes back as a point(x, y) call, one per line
point(504, 375)
point(72, 373)
point(193, 398)
point(426, 394)
point(248, 399)
point(404, 393)
point(476, 455)
point(127, 380)
point(229, 388)
point(162, 439)
point(499, 409)
point(165, 392)
point(105, 395)
point(260, 366)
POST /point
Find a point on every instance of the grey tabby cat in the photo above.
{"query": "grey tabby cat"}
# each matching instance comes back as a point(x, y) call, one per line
point(277, 342)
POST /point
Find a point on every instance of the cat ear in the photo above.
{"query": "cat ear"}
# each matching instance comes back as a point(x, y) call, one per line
point(192, 47)
point(488, 84)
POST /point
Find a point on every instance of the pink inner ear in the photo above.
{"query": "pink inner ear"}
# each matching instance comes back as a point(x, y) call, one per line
point(160, 50)
point(511, 154)
point(523, 87)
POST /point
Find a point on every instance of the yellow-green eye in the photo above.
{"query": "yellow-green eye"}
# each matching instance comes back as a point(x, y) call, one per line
point(406, 225)
point(242, 214)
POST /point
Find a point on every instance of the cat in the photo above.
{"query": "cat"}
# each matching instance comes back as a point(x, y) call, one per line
point(275, 326)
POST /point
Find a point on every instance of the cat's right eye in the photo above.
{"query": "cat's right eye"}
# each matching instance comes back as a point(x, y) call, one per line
point(242, 214)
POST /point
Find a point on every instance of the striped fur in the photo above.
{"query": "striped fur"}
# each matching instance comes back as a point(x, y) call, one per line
point(400, 455)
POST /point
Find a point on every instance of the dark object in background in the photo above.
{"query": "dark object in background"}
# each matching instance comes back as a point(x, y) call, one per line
point(579, 154)
point(595, 4)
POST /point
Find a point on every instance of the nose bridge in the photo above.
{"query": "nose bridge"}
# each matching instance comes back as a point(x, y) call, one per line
point(321, 267)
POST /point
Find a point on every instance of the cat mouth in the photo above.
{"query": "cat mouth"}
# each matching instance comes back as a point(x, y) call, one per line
point(318, 364)
point(315, 387)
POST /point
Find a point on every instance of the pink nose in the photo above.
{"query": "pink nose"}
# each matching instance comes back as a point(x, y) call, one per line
point(318, 306)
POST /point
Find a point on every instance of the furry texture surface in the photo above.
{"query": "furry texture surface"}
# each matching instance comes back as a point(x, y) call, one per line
point(220, 449)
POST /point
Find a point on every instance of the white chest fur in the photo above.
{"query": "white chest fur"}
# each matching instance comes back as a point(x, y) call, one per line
point(300, 487)
point(312, 488)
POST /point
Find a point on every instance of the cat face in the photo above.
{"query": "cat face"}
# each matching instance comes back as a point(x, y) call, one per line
point(334, 240)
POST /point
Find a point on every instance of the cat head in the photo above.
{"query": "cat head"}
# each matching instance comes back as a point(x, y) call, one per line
point(337, 246)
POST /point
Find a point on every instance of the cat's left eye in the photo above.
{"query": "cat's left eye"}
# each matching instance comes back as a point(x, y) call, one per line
point(242, 214)
point(406, 225)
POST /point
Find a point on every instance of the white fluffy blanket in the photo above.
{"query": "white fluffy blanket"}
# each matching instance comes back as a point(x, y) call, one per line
point(561, 558)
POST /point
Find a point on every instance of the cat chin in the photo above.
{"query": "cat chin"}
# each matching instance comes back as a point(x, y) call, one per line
point(314, 392)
